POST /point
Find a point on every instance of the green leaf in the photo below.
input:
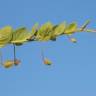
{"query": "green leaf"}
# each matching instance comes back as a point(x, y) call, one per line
point(20, 36)
point(5, 35)
point(33, 33)
point(44, 31)
point(71, 28)
point(47, 38)
point(59, 29)
point(46, 27)
point(35, 28)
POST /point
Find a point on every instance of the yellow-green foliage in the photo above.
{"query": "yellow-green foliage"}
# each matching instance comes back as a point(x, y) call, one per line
point(5, 35)
point(46, 32)
point(71, 28)
point(20, 35)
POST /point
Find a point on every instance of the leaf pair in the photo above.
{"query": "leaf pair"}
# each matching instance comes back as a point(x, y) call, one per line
point(44, 31)
point(20, 36)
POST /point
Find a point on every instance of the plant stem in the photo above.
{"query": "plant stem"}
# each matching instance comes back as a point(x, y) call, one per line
point(42, 54)
point(14, 48)
point(1, 58)
point(85, 30)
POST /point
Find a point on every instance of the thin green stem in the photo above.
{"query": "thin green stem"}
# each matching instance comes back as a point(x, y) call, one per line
point(1, 58)
point(42, 54)
point(89, 30)
point(85, 30)
point(14, 48)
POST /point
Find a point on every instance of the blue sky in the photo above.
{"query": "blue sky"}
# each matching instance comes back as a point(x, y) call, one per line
point(73, 72)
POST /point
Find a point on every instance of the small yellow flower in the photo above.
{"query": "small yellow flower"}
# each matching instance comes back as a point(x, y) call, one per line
point(8, 64)
point(47, 62)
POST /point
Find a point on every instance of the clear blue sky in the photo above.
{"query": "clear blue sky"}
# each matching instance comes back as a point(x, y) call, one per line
point(73, 72)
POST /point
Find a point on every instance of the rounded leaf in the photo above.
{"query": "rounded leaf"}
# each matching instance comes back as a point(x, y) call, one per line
point(20, 36)
point(5, 35)
point(71, 28)
point(44, 31)
point(59, 29)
